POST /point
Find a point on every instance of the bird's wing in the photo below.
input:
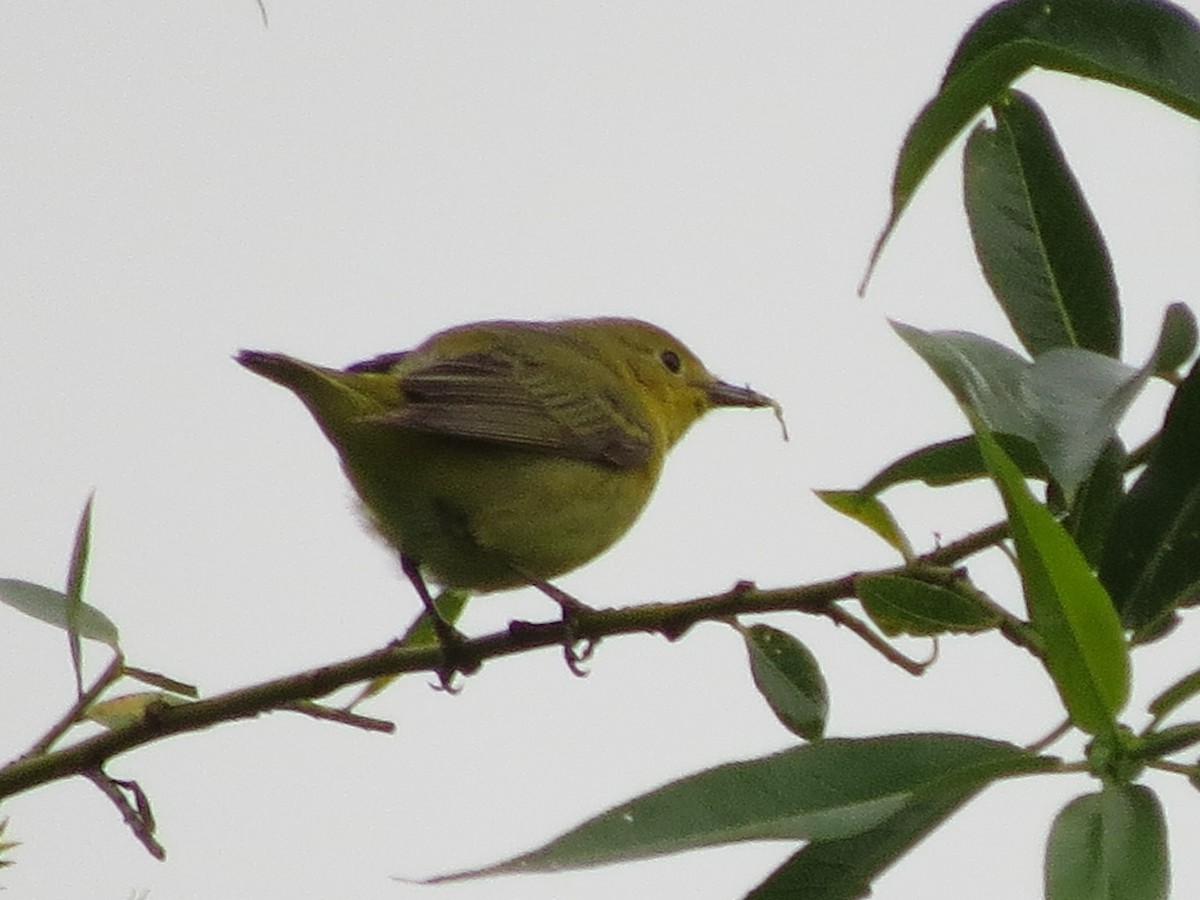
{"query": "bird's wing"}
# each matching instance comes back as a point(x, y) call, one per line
point(382, 363)
point(522, 403)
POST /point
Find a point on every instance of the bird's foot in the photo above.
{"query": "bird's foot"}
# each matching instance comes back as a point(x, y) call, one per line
point(577, 646)
point(457, 656)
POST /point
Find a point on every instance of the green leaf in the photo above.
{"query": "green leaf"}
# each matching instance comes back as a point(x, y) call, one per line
point(1176, 339)
point(789, 678)
point(954, 461)
point(1096, 502)
point(50, 606)
point(1148, 46)
point(1076, 400)
point(1143, 45)
point(843, 869)
point(984, 375)
point(1085, 648)
point(450, 603)
point(1151, 561)
point(1039, 245)
point(827, 790)
point(1068, 401)
point(1109, 846)
point(1157, 744)
point(870, 511)
point(902, 605)
point(75, 579)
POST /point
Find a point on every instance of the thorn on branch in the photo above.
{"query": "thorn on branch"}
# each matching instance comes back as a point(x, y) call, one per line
point(674, 629)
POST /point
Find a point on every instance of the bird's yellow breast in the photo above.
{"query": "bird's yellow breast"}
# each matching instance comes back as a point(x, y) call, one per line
point(478, 515)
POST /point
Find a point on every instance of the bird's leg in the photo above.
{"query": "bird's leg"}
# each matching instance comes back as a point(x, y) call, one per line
point(455, 656)
point(576, 650)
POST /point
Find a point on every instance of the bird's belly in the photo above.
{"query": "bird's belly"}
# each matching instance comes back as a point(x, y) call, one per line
point(478, 516)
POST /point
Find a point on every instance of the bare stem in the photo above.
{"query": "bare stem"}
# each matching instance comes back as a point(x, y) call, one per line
point(881, 646)
point(137, 815)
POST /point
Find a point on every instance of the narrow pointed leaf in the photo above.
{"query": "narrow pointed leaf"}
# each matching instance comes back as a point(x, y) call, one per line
point(826, 790)
point(844, 869)
point(902, 605)
point(1084, 645)
point(1109, 846)
point(790, 680)
point(50, 606)
point(1143, 45)
point(870, 511)
point(74, 597)
point(954, 461)
point(1037, 241)
point(1151, 561)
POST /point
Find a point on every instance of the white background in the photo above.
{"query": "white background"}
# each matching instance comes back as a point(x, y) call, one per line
point(177, 182)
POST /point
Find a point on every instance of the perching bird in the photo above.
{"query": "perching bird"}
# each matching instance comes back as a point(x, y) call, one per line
point(504, 453)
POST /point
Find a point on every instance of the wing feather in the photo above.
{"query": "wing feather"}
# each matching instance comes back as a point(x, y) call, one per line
point(520, 402)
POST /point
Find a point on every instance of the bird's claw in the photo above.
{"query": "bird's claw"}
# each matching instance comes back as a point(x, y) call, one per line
point(576, 653)
point(576, 649)
point(457, 656)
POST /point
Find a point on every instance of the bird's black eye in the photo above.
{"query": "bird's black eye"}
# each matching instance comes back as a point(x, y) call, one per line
point(671, 360)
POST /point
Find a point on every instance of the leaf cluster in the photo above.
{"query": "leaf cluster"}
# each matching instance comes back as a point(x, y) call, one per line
point(1107, 557)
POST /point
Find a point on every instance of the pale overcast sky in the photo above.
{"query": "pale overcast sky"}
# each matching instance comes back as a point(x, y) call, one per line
point(179, 182)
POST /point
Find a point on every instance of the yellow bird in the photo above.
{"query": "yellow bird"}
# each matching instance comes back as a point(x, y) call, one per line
point(506, 453)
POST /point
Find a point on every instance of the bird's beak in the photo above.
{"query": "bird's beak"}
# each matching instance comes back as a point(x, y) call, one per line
point(721, 393)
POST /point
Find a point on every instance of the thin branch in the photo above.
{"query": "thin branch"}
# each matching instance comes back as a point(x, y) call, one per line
point(881, 646)
point(140, 819)
point(671, 620)
point(973, 543)
point(75, 714)
point(1042, 743)
point(1167, 765)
